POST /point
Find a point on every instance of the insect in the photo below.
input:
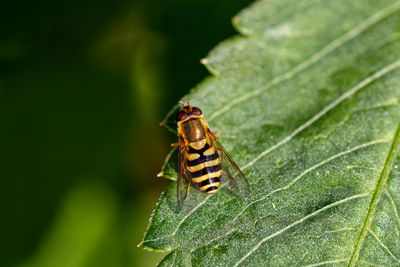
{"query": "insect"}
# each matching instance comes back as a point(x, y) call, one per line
point(203, 161)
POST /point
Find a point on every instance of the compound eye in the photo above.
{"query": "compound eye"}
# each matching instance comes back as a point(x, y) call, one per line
point(181, 116)
point(196, 111)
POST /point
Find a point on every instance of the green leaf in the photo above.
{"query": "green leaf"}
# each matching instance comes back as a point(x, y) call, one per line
point(307, 103)
point(168, 170)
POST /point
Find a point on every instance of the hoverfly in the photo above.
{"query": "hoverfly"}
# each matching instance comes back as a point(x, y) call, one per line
point(202, 160)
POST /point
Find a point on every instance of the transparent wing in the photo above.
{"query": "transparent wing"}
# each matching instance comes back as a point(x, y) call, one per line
point(232, 176)
point(186, 201)
point(183, 181)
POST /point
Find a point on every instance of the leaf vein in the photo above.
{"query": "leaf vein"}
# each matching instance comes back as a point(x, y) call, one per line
point(311, 169)
point(326, 262)
point(393, 205)
point(328, 108)
point(370, 21)
point(217, 238)
point(383, 245)
point(275, 18)
point(340, 230)
point(278, 189)
point(380, 185)
point(181, 221)
point(253, 249)
point(368, 263)
point(173, 261)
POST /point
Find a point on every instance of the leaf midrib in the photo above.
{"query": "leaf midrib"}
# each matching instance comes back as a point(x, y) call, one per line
point(379, 188)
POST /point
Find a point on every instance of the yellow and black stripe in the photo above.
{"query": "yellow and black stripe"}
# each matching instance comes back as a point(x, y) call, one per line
point(204, 167)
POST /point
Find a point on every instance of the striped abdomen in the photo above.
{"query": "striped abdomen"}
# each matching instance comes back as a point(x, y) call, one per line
point(204, 167)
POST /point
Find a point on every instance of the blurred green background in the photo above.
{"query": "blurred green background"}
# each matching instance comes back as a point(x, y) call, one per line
point(83, 87)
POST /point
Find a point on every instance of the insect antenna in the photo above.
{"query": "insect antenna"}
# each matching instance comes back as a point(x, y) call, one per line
point(183, 104)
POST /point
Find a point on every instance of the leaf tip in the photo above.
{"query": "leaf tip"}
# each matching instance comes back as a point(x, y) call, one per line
point(235, 21)
point(204, 61)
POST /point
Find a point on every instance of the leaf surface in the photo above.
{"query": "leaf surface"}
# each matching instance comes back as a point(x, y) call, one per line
point(307, 103)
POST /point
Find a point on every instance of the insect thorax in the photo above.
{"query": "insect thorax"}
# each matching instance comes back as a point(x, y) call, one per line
point(193, 130)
